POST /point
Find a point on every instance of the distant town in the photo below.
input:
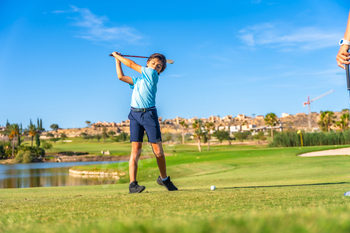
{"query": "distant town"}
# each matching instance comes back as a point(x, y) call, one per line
point(239, 123)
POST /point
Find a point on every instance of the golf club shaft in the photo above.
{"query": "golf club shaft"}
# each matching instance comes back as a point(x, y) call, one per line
point(347, 76)
point(167, 60)
point(348, 82)
point(134, 56)
point(129, 56)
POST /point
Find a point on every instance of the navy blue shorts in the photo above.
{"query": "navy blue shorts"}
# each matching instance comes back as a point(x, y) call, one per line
point(144, 121)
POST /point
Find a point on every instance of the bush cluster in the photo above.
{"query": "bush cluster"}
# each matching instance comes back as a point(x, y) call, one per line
point(2, 151)
point(34, 150)
point(24, 157)
point(26, 154)
point(292, 139)
point(71, 153)
point(122, 137)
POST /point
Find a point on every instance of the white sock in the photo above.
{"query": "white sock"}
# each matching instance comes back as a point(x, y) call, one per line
point(164, 178)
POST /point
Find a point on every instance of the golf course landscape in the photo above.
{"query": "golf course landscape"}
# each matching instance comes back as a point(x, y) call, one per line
point(258, 189)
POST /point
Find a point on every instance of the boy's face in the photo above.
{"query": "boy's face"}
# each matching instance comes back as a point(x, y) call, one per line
point(155, 64)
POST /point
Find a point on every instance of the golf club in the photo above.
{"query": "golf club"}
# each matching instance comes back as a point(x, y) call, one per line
point(167, 60)
point(347, 77)
point(348, 83)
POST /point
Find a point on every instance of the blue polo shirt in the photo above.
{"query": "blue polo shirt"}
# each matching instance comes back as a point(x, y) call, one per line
point(144, 89)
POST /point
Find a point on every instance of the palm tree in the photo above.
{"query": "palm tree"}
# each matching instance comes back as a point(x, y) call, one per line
point(344, 121)
point(184, 127)
point(326, 120)
point(271, 119)
point(198, 131)
point(13, 132)
point(32, 131)
point(209, 126)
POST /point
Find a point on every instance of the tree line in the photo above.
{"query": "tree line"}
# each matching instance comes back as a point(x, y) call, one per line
point(16, 133)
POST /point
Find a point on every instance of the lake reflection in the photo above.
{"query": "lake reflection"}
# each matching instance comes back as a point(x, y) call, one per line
point(43, 175)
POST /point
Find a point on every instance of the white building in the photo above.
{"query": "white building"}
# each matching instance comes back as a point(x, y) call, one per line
point(266, 128)
point(247, 127)
point(285, 114)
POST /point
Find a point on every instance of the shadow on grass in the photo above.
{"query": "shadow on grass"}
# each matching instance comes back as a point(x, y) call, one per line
point(273, 186)
point(287, 185)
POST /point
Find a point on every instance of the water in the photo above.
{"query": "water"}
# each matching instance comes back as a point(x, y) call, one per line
point(43, 175)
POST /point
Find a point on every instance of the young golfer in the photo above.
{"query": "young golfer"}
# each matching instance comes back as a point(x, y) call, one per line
point(143, 115)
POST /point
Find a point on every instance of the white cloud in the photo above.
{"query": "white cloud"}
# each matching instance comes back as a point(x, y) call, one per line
point(283, 37)
point(94, 27)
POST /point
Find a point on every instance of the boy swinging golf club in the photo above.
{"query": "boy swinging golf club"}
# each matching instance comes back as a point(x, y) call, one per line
point(143, 115)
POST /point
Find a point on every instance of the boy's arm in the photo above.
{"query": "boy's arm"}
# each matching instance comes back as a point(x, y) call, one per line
point(343, 55)
point(127, 62)
point(121, 75)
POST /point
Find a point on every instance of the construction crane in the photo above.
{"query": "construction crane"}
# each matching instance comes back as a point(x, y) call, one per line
point(309, 102)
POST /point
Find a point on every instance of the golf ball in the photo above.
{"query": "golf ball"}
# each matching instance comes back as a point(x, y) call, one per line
point(213, 187)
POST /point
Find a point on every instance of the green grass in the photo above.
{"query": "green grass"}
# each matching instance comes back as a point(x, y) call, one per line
point(258, 190)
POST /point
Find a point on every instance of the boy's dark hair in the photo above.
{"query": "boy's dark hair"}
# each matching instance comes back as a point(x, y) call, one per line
point(161, 57)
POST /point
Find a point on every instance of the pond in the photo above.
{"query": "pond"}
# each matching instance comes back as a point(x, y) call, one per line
point(44, 175)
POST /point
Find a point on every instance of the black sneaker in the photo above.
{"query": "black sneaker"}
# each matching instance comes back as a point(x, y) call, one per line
point(135, 188)
point(167, 184)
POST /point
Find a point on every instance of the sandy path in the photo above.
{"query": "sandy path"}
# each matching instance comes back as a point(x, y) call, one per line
point(342, 151)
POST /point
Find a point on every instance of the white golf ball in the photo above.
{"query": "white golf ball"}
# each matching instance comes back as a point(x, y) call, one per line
point(213, 187)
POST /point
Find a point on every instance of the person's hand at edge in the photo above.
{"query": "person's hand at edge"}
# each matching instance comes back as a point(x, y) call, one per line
point(343, 56)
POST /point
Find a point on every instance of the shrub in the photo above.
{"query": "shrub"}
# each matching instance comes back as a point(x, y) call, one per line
point(24, 157)
point(54, 139)
point(292, 139)
point(167, 137)
point(8, 153)
point(27, 157)
point(2, 151)
point(98, 137)
point(240, 136)
point(19, 157)
point(33, 151)
point(221, 135)
point(46, 145)
point(40, 152)
point(71, 153)
point(122, 137)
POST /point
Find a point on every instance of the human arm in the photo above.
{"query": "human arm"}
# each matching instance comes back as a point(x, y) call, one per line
point(343, 54)
point(120, 73)
point(129, 63)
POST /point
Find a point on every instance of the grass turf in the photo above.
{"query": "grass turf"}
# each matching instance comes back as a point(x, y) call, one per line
point(258, 190)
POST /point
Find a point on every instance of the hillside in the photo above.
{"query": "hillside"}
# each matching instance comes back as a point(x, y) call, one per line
point(292, 122)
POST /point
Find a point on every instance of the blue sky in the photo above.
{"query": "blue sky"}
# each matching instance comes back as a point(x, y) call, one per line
point(231, 57)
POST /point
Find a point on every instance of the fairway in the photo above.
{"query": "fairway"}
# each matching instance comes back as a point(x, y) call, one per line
point(258, 190)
